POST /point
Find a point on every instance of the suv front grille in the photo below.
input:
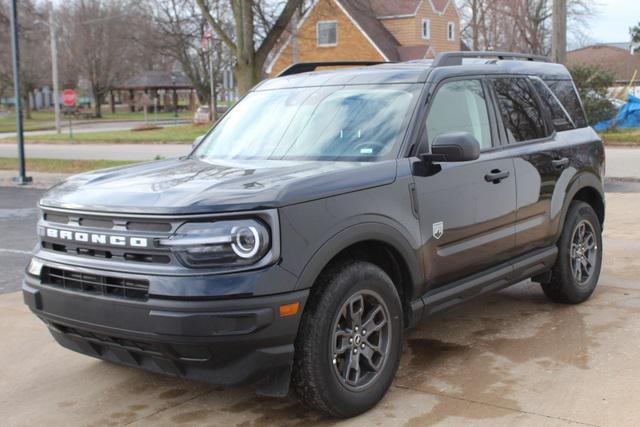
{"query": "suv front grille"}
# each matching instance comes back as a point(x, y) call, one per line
point(109, 286)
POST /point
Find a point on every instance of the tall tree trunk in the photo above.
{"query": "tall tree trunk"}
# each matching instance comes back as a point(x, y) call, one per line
point(27, 106)
point(97, 109)
point(246, 76)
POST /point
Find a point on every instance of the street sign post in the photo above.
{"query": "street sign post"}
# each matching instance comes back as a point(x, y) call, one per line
point(69, 97)
point(69, 101)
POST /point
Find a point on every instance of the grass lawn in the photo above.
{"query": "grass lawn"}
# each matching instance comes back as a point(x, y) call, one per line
point(180, 133)
point(621, 137)
point(45, 119)
point(61, 165)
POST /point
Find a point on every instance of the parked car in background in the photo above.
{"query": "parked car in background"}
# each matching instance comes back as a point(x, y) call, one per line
point(201, 116)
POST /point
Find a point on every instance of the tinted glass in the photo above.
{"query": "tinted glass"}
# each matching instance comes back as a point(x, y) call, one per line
point(566, 93)
point(460, 106)
point(356, 123)
point(521, 114)
point(551, 104)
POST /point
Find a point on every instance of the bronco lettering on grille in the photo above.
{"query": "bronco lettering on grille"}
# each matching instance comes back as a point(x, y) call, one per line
point(97, 238)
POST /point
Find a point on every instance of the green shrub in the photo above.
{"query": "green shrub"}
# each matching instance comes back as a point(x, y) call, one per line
point(592, 83)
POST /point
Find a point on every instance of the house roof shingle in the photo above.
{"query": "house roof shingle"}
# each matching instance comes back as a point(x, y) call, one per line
point(394, 7)
point(362, 12)
point(408, 53)
point(385, 8)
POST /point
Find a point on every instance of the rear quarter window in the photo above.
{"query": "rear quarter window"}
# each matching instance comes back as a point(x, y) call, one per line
point(521, 115)
point(550, 103)
point(566, 93)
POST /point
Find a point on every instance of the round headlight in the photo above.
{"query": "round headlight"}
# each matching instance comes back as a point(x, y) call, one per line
point(246, 241)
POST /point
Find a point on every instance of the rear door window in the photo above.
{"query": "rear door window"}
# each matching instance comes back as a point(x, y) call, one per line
point(566, 93)
point(521, 115)
point(559, 116)
point(460, 106)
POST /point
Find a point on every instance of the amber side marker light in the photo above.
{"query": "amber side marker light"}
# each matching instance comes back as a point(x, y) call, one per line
point(289, 309)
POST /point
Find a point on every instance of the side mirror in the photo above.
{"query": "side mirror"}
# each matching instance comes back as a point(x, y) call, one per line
point(197, 141)
point(453, 147)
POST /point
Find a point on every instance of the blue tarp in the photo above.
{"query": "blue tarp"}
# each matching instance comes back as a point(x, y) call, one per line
point(628, 116)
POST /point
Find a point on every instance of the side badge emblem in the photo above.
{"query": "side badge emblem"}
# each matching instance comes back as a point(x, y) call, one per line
point(438, 229)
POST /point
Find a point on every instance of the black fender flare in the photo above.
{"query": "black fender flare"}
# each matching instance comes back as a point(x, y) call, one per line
point(580, 182)
point(366, 231)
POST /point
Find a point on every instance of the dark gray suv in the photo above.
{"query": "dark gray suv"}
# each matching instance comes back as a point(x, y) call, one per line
point(322, 215)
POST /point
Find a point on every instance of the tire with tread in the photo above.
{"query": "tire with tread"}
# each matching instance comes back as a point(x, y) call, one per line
point(314, 379)
point(563, 287)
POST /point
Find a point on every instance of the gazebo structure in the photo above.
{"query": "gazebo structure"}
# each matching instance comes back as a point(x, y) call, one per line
point(164, 85)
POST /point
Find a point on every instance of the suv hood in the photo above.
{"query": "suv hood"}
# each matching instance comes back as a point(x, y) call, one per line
point(196, 186)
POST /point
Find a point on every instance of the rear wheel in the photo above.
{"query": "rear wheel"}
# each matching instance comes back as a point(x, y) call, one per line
point(575, 275)
point(350, 340)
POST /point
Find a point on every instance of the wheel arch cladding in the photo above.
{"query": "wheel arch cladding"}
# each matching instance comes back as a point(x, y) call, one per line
point(592, 197)
point(391, 254)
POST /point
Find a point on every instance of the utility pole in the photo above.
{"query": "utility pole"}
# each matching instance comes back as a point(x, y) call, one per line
point(22, 179)
point(294, 36)
point(54, 67)
point(559, 33)
point(213, 107)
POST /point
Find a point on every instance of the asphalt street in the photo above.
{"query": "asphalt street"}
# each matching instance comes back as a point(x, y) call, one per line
point(18, 217)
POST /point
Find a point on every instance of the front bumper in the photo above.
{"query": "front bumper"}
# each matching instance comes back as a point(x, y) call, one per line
point(221, 341)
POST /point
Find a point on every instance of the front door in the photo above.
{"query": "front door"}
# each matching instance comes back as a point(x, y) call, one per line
point(466, 209)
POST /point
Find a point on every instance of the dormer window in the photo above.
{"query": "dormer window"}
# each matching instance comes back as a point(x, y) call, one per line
point(426, 29)
point(451, 31)
point(326, 33)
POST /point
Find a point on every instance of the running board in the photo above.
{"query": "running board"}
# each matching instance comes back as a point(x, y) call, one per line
point(492, 280)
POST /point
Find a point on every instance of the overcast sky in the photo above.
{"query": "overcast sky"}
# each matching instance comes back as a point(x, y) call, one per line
point(613, 20)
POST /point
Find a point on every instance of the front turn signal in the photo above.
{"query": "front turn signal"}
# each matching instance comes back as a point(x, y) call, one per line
point(289, 309)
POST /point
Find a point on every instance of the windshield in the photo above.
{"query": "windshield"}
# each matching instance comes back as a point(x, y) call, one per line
point(351, 123)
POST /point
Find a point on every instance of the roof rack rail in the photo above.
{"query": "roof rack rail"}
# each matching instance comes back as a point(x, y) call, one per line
point(305, 67)
point(448, 59)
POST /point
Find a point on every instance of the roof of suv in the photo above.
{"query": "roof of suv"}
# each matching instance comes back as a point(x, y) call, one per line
point(418, 71)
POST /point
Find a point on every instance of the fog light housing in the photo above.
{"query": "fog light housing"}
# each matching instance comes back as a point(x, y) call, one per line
point(34, 268)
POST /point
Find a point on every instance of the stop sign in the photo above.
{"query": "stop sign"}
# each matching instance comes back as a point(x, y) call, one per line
point(69, 97)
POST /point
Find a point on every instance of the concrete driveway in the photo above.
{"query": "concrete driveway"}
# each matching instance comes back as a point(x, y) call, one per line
point(510, 359)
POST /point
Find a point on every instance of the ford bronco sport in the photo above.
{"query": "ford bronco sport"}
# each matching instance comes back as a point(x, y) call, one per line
point(324, 213)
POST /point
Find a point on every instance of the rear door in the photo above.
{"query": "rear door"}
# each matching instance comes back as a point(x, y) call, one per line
point(466, 217)
point(530, 115)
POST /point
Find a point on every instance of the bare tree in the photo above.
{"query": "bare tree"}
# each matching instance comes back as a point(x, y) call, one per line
point(518, 25)
point(177, 34)
point(98, 43)
point(34, 55)
point(257, 26)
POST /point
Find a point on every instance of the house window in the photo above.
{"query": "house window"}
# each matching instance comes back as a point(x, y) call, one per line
point(451, 31)
point(426, 29)
point(326, 32)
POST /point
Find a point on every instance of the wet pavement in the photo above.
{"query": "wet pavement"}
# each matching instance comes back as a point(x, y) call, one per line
point(509, 359)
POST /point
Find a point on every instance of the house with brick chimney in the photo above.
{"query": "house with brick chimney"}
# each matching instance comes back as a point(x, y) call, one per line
point(369, 30)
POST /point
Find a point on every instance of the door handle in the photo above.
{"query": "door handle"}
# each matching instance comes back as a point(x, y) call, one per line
point(496, 176)
point(560, 163)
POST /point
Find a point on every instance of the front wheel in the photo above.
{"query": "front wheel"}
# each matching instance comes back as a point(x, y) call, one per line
point(575, 275)
point(349, 344)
